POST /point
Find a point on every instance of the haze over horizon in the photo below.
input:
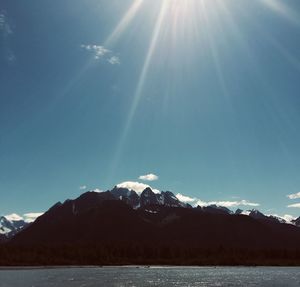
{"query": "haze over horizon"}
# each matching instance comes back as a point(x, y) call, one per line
point(199, 97)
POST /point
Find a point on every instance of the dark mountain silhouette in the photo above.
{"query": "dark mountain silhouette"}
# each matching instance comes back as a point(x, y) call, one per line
point(214, 209)
point(120, 226)
point(238, 211)
point(100, 216)
point(129, 196)
point(3, 238)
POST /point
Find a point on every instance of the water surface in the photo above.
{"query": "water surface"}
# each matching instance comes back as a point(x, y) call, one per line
point(154, 276)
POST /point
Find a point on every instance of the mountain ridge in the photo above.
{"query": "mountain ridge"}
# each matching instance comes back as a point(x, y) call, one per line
point(10, 227)
point(122, 227)
point(147, 205)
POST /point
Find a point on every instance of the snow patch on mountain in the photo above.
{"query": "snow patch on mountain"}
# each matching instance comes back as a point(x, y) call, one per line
point(285, 218)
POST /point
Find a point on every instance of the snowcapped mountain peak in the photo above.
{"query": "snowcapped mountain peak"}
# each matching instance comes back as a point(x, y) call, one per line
point(13, 217)
point(254, 213)
point(148, 196)
point(13, 223)
point(147, 191)
point(138, 187)
point(296, 221)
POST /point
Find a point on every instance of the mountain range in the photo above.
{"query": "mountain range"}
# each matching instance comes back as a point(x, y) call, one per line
point(12, 224)
point(117, 221)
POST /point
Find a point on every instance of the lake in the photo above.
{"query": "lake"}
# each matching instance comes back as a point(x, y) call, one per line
point(154, 276)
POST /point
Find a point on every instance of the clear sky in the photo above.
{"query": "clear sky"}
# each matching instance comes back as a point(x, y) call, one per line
point(205, 94)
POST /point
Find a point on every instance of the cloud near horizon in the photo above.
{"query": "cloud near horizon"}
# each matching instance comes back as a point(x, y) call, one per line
point(185, 198)
point(98, 190)
point(32, 216)
point(295, 205)
point(149, 177)
point(13, 217)
point(196, 202)
point(27, 217)
point(138, 187)
point(228, 203)
point(294, 195)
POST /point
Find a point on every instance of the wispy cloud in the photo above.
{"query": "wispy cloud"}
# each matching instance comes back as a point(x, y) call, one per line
point(196, 202)
point(294, 195)
point(100, 52)
point(5, 32)
point(282, 9)
point(138, 187)
point(82, 187)
point(114, 60)
point(97, 50)
point(295, 205)
point(149, 177)
point(5, 28)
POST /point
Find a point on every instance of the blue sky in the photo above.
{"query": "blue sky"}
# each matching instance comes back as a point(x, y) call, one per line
point(202, 93)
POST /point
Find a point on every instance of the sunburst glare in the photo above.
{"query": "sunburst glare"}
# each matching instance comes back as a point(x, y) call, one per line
point(185, 25)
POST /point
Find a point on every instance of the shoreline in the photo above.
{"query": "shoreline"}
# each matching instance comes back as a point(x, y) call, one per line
point(58, 267)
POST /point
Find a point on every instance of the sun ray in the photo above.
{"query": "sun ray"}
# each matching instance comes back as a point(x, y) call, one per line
point(180, 20)
point(287, 55)
point(120, 28)
point(140, 86)
point(235, 29)
point(142, 79)
point(124, 23)
point(214, 50)
point(283, 10)
point(272, 107)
